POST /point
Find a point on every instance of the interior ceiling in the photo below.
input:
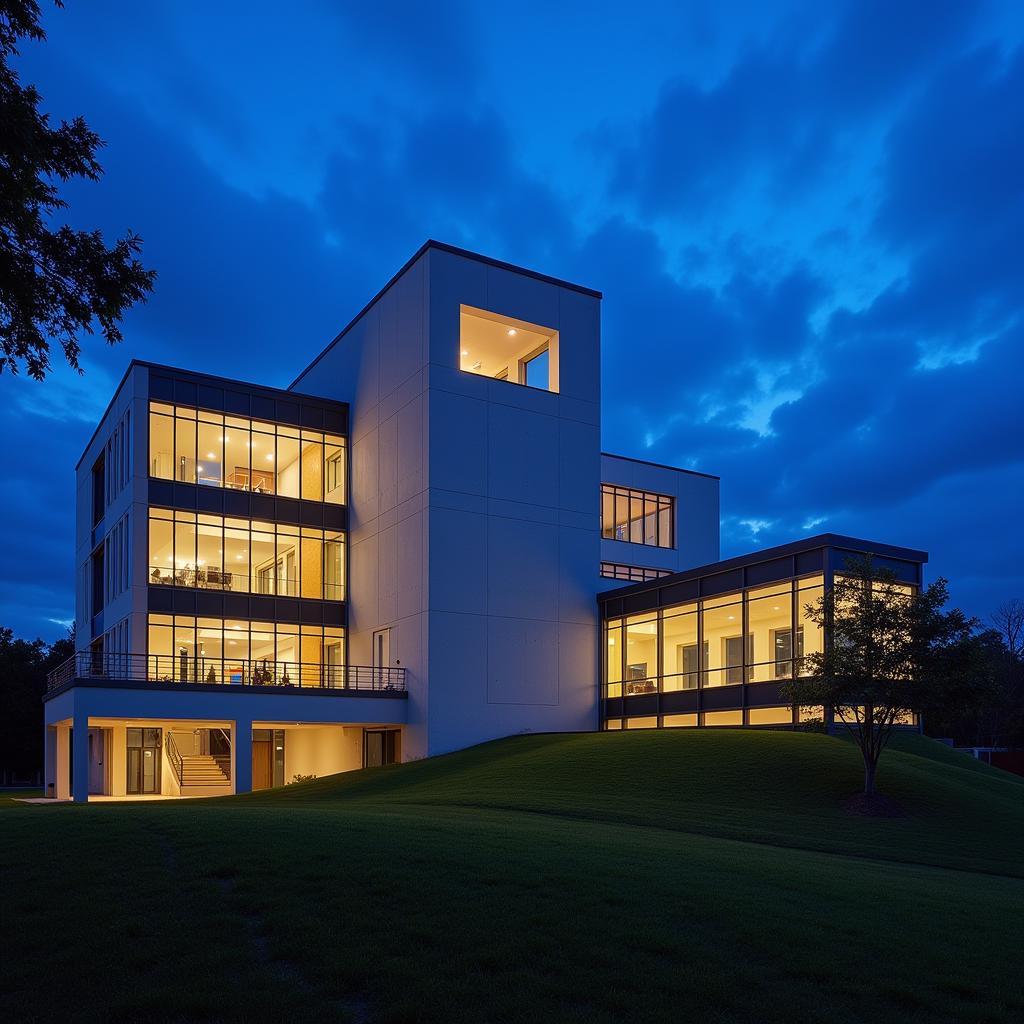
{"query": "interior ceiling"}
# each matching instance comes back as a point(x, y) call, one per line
point(495, 344)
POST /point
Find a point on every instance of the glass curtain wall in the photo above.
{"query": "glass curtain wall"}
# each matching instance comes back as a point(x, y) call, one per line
point(187, 549)
point(213, 450)
point(188, 648)
point(756, 636)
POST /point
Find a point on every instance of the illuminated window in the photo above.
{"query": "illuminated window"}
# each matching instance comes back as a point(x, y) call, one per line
point(188, 648)
point(723, 718)
point(770, 716)
point(641, 654)
point(188, 549)
point(679, 721)
point(649, 722)
point(213, 450)
point(613, 723)
point(637, 517)
point(506, 349)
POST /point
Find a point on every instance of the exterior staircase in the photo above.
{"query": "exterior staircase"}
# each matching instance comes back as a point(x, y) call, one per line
point(203, 771)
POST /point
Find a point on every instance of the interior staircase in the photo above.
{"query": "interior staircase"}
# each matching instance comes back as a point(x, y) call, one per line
point(203, 770)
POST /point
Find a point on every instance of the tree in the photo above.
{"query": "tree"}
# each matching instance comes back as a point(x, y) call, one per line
point(24, 665)
point(889, 652)
point(55, 282)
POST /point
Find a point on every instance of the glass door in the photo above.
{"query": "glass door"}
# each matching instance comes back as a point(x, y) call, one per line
point(143, 760)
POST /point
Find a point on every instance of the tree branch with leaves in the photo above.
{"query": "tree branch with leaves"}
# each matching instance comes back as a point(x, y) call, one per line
point(56, 283)
point(890, 652)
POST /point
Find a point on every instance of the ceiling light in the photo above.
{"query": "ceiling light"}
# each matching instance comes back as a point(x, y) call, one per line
point(210, 455)
point(465, 351)
point(512, 332)
point(199, 469)
point(270, 457)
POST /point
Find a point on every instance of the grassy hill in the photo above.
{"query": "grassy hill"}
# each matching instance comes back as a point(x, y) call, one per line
point(637, 876)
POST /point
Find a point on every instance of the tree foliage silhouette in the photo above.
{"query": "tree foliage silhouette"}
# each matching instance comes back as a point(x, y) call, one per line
point(56, 283)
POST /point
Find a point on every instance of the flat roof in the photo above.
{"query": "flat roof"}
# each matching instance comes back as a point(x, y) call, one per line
point(468, 254)
point(163, 367)
point(821, 540)
point(659, 465)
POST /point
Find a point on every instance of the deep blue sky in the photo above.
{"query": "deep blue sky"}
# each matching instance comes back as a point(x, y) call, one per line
point(807, 220)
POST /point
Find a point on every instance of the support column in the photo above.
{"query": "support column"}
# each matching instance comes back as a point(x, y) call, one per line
point(118, 757)
point(241, 755)
point(80, 757)
point(62, 789)
point(49, 760)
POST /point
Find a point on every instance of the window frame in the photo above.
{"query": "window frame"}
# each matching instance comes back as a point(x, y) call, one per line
point(651, 505)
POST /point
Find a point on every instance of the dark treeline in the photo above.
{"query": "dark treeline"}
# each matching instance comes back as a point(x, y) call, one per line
point(23, 668)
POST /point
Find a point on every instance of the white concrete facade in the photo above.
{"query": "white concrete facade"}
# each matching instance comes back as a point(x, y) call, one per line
point(474, 533)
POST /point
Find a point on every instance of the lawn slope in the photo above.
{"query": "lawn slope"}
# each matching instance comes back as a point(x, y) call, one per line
point(780, 788)
point(582, 878)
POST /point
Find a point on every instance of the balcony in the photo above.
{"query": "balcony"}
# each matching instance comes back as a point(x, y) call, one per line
point(175, 670)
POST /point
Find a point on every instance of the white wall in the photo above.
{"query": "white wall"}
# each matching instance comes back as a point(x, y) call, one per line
point(474, 505)
point(697, 526)
point(322, 751)
point(133, 499)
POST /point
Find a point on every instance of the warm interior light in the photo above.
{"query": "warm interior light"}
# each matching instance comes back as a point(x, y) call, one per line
point(199, 469)
point(465, 351)
point(512, 332)
point(210, 455)
point(270, 457)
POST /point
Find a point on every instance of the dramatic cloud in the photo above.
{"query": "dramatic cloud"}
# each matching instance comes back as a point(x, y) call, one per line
point(806, 221)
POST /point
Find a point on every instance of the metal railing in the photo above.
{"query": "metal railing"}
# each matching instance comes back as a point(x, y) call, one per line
point(239, 582)
point(185, 668)
point(177, 762)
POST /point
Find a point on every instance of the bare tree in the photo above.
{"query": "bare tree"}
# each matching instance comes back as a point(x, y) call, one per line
point(1008, 621)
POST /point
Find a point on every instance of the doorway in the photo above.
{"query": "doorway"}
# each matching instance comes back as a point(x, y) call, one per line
point(380, 747)
point(381, 654)
point(99, 744)
point(267, 758)
point(143, 760)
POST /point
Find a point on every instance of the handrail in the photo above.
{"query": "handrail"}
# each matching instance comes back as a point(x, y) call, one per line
point(207, 578)
point(201, 669)
point(174, 756)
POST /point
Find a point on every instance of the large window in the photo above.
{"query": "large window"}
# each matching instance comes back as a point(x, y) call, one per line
point(756, 636)
point(187, 648)
point(506, 349)
point(638, 517)
point(213, 450)
point(187, 549)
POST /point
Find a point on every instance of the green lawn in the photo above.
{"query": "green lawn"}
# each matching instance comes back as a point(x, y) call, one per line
point(709, 875)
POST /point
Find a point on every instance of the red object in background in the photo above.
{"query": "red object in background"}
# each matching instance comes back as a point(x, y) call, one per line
point(1008, 760)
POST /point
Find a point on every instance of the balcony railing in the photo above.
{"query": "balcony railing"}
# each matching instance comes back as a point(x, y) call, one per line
point(239, 582)
point(183, 668)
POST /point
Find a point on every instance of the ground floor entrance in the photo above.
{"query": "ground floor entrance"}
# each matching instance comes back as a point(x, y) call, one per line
point(173, 758)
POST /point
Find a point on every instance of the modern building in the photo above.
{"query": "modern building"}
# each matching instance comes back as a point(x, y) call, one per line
point(418, 546)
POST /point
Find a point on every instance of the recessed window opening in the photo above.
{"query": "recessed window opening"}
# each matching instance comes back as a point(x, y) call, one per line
point(503, 348)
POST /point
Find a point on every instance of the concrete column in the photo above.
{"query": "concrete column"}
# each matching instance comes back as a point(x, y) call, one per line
point(49, 760)
point(241, 755)
point(80, 754)
point(118, 757)
point(62, 789)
